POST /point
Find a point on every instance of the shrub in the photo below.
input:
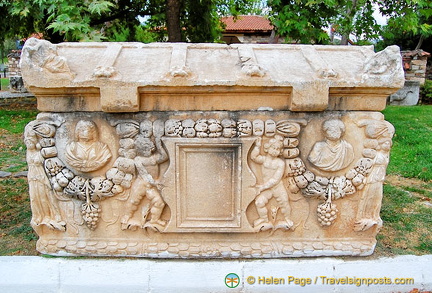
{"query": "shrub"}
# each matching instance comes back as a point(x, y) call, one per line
point(426, 93)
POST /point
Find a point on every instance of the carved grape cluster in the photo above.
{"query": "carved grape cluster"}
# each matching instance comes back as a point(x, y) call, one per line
point(90, 213)
point(327, 213)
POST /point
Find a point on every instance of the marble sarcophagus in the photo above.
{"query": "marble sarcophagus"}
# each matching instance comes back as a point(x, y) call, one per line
point(207, 150)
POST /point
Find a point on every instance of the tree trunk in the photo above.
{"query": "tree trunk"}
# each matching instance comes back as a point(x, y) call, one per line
point(331, 34)
point(350, 14)
point(344, 40)
point(420, 43)
point(173, 20)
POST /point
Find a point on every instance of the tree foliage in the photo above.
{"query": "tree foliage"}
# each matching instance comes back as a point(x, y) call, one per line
point(96, 20)
point(410, 23)
point(300, 21)
point(199, 20)
point(74, 20)
point(303, 21)
point(11, 24)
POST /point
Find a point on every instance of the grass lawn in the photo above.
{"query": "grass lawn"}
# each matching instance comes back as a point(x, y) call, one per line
point(407, 203)
point(406, 211)
point(412, 145)
point(16, 235)
point(4, 82)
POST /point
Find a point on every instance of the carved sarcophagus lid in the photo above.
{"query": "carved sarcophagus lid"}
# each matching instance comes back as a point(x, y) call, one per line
point(132, 77)
point(207, 150)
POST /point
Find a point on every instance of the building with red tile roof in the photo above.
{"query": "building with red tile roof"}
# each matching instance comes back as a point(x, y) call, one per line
point(248, 29)
point(247, 23)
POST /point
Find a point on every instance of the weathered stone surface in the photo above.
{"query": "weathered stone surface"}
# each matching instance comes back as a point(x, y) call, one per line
point(408, 95)
point(20, 174)
point(195, 169)
point(17, 84)
point(4, 174)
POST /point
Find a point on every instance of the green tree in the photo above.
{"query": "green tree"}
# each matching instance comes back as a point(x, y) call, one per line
point(11, 27)
point(74, 20)
point(96, 20)
point(197, 20)
point(304, 21)
point(411, 26)
point(11, 24)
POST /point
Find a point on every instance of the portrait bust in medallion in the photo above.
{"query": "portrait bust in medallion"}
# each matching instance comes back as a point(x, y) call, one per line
point(333, 153)
point(87, 153)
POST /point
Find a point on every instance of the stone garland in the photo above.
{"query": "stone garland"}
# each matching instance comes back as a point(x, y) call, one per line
point(93, 190)
point(328, 189)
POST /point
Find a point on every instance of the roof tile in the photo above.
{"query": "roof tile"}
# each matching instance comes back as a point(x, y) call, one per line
point(247, 23)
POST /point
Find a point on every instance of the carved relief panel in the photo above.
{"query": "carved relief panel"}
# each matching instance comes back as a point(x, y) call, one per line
point(223, 184)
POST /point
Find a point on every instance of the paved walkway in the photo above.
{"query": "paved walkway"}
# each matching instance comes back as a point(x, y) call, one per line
point(62, 274)
point(17, 100)
point(6, 95)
